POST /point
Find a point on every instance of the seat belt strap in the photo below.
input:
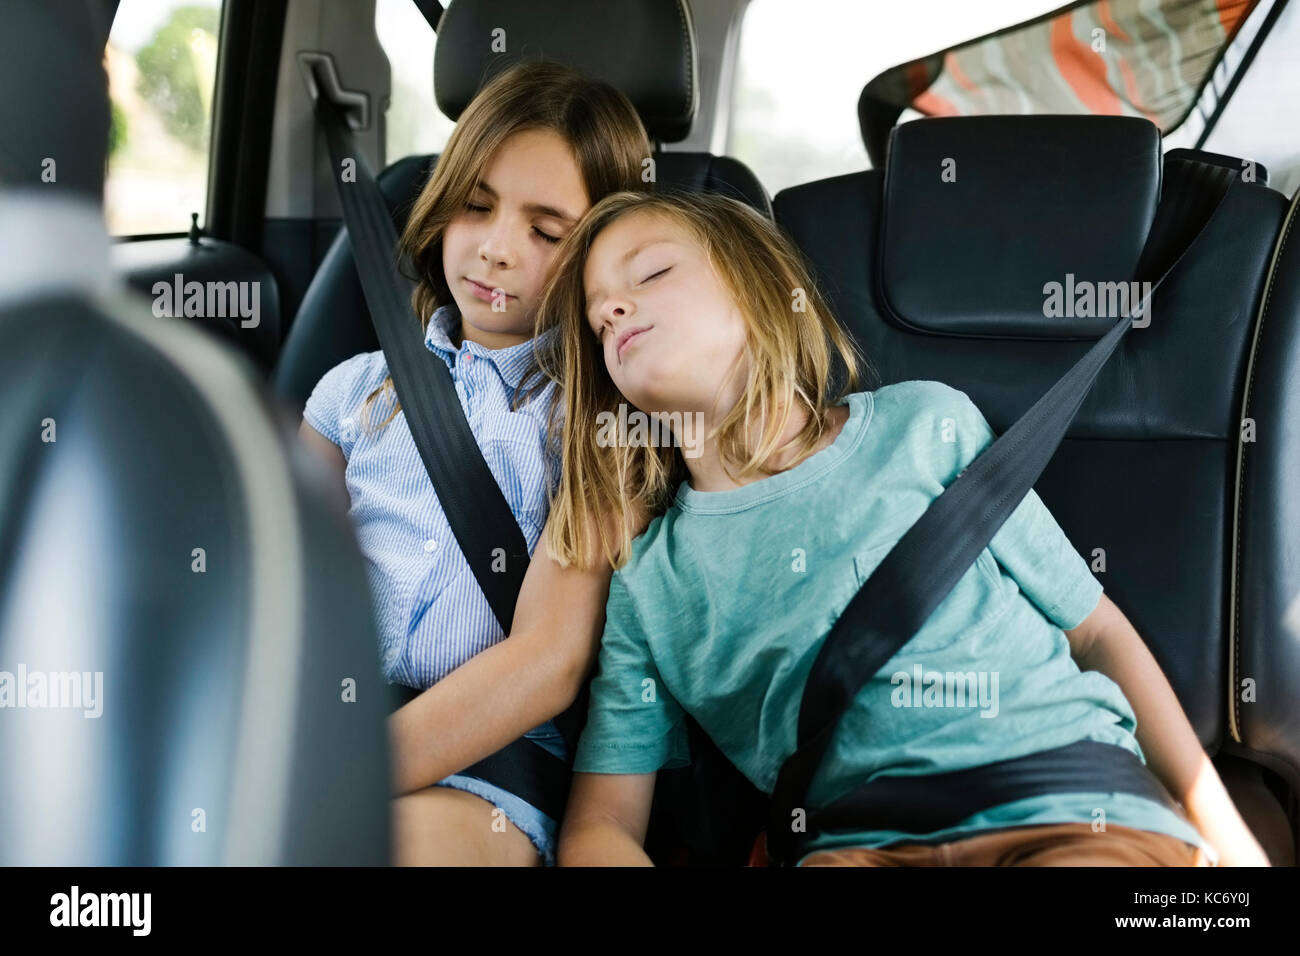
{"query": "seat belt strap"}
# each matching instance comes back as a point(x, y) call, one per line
point(432, 11)
point(926, 563)
point(928, 803)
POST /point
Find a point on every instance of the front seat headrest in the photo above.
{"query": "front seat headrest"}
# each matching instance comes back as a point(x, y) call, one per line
point(981, 212)
point(54, 132)
point(188, 672)
point(645, 48)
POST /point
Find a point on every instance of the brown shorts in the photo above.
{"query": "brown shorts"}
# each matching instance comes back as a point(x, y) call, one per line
point(1053, 844)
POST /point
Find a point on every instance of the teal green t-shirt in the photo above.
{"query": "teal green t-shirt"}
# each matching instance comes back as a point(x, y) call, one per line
point(728, 596)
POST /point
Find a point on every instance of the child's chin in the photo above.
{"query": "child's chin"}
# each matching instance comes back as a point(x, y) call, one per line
point(650, 387)
point(482, 317)
point(645, 402)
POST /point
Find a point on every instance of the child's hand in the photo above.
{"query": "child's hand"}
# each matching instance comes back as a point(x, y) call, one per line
point(1234, 842)
point(1243, 851)
point(1212, 812)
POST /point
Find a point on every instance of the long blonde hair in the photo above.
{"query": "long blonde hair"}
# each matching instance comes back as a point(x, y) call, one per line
point(792, 339)
point(598, 122)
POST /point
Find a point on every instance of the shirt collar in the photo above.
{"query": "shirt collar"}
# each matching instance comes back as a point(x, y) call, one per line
point(511, 362)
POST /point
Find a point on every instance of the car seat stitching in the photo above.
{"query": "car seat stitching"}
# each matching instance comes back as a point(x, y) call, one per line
point(686, 45)
point(1235, 636)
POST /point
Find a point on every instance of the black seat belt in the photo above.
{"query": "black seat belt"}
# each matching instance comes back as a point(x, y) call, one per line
point(432, 11)
point(927, 562)
point(477, 511)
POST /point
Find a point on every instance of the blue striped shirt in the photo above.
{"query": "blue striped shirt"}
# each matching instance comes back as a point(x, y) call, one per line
point(430, 612)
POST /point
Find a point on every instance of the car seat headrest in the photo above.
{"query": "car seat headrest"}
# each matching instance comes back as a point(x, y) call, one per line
point(981, 213)
point(54, 117)
point(645, 48)
point(55, 245)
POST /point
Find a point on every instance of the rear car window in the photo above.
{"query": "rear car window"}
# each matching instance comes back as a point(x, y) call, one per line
point(801, 66)
point(1105, 57)
point(413, 124)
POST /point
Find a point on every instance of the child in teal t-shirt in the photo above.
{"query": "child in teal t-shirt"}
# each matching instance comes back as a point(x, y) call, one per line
point(774, 505)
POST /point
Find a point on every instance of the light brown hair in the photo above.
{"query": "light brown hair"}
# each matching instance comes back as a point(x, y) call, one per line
point(792, 340)
point(598, 122)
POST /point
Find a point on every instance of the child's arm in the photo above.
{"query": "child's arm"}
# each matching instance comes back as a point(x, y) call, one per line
point(1107, 642)
point(606, 819)
point(508, 689)
point(505, 691)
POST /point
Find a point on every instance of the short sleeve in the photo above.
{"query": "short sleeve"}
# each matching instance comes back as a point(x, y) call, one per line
point(332, 398)
point(633, 723)
point(1030, 545)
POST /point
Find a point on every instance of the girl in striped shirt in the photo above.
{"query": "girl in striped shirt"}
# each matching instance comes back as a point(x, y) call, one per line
point(531, 152)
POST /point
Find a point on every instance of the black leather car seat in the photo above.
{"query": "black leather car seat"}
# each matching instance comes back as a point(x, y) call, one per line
point(942, 277)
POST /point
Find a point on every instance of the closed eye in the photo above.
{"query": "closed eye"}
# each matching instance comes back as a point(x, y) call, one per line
point(547, 236)
point(473, 208)
point(654, 276)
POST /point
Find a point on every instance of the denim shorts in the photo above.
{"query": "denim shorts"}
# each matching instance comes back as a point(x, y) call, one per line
point(537, 826)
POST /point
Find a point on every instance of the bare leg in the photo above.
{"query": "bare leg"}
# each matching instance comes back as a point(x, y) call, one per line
point(440, 826)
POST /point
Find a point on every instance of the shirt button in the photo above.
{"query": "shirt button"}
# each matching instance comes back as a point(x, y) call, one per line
point(431, 544)
point(469, 356)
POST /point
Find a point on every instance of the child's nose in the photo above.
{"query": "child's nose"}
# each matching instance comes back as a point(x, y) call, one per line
point(496, 249)
point(618, 308)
